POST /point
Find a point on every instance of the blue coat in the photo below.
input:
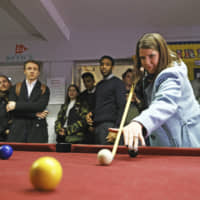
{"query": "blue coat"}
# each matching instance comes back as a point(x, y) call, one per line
point(173, 115)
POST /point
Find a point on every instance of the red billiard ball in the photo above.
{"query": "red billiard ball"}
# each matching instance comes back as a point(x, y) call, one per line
point(6, 152)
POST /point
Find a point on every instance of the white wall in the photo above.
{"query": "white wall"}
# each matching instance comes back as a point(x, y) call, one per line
point(55, 70)
point(92, 45)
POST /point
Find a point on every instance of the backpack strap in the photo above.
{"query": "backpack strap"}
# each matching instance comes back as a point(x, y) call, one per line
point(43, 88)
point(18, 88)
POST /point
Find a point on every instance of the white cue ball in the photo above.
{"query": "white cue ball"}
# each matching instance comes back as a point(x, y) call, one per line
point(104, 157)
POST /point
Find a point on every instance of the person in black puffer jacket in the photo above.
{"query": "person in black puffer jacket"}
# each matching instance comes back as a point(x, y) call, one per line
point(5, 119)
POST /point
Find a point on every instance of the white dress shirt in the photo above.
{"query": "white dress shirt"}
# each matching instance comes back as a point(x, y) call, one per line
point(70, 106)
point(30, 87)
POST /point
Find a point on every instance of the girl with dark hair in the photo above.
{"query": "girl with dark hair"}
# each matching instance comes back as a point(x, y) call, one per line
point(71, 125)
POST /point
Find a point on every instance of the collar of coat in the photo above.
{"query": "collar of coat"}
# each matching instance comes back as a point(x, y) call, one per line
point(4, 95)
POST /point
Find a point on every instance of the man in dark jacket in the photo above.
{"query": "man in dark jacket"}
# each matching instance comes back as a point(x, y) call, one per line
point(88, 96)
point(5, 120)
point(110, 102)
point(28, 101)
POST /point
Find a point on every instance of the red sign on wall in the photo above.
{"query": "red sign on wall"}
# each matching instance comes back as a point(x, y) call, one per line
point(20, 48)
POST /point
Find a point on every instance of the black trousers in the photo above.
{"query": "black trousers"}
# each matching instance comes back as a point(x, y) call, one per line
point(101, 132)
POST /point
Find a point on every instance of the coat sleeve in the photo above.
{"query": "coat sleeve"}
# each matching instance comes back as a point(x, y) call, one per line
point(35, 106)
point(80, 124)
point(3, 119)
point(163, 105)
point(23, 114)
point(12, 94)
point(60, 118)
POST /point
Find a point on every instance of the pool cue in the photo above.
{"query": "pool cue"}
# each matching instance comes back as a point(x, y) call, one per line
point(116, 144)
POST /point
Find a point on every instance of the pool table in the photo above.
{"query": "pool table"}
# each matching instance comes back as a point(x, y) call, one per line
point(157, 173)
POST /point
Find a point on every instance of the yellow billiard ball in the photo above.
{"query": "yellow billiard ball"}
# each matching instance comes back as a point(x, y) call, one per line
point(45, 173)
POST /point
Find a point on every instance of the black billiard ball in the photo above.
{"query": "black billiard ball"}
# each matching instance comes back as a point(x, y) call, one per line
point(132, 153)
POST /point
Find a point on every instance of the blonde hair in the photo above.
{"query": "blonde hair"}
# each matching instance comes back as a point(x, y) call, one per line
point(156, 42)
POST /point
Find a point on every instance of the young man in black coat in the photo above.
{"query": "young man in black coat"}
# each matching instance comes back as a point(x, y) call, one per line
point(27, 102)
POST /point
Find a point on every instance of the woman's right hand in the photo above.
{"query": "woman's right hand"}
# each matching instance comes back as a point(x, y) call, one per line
point(133, 135)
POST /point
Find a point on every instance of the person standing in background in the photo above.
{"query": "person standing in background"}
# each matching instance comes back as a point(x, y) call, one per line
point(88, 96)
point(128, 78)
point(5, 118)
point(71, 124)
point(196, 88)
point(110, 102)
point(27, 103)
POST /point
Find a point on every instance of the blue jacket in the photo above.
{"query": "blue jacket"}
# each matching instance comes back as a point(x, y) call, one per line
point(173, 115)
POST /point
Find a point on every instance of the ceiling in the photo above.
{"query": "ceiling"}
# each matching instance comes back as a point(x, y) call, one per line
point(46, 20)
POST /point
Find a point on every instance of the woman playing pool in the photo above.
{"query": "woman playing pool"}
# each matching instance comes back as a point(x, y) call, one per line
point(172, 117)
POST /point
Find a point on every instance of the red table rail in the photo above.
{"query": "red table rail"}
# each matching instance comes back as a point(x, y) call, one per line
point(83, 148)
